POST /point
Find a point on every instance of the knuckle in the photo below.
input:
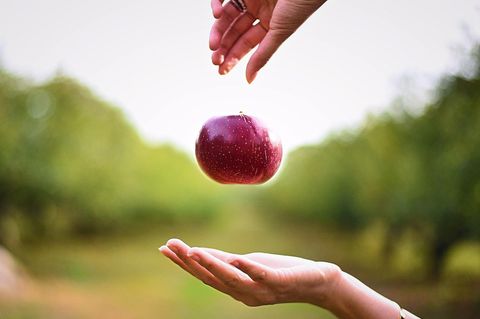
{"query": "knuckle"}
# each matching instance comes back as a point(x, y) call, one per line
point(208, 265)
point(233, 282)
point(261, 276)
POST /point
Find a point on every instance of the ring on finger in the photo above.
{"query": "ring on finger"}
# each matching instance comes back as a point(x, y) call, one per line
point(239, 5)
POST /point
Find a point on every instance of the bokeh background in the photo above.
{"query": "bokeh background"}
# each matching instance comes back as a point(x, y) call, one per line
point(378, 105)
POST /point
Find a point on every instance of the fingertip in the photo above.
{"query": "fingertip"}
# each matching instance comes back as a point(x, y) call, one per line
point(251, 73)
point(254, 65)
point(214, 41)
point(165, 251)
point(214, 46)
point(228, 65)
point(222, 71)
point(251, 77)
point(218, 58)
point(217, 12)
point(176, 245)
point(173, 241)
point(267, 47)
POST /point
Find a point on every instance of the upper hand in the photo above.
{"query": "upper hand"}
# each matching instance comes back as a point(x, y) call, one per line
point(256, 279)
point(234, 33)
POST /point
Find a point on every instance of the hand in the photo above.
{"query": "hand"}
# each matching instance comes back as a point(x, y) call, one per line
point(256, 279)
point(235, 33)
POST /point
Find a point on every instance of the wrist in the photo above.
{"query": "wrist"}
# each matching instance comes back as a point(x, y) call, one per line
point(339, 299)
point(322, 292)
point(351, 299)
point(332, 296)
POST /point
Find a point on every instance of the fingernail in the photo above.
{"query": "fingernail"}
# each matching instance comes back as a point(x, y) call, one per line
point(218, 13)
point(251, 78)
point(173, 248)
point(162, 248)
point(195, 257)
point(217, 58)
point(232, 64)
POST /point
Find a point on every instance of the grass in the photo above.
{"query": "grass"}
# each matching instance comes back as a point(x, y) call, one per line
point(124, 276)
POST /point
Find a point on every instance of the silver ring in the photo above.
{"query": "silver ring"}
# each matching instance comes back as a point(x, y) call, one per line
point(239, 5)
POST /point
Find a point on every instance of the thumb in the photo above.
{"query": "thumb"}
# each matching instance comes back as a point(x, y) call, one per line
point(267, 47)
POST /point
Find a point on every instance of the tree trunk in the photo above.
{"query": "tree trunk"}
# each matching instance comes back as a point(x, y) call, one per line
point(439, 251)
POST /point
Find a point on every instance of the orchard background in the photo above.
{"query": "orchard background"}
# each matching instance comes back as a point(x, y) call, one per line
point(85, 202)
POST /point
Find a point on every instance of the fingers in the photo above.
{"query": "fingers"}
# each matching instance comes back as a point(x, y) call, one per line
point(167, 252)
point(228, 15)
point(269, 45)
point(277, 261)
point(231, 35)
point(256, 271)
point(226, 273)
point(177, 251)
point(249, 264)
point(220, 254)
point(217, 8)
point(244, 44)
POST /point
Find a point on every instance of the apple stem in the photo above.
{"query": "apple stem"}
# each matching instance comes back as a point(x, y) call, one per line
point(242, 115)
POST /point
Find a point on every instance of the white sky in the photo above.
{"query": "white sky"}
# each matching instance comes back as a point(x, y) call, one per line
point(151, 58)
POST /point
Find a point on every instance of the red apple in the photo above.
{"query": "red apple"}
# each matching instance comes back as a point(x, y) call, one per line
point(238, 149)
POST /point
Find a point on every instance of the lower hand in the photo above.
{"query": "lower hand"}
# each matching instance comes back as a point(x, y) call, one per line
point(258, 278)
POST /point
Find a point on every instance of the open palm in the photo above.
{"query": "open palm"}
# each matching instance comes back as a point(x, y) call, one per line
point(257, 278)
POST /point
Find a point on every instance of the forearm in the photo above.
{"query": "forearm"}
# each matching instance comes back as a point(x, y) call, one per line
point(351, 299)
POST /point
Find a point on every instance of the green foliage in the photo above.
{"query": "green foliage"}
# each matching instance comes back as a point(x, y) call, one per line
point(70, 162)
point(411, 172)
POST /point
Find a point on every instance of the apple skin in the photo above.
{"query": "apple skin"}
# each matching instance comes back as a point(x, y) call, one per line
point(238, 149)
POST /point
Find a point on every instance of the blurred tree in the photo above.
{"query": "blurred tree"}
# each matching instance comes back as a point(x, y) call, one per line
point(448, 145)
point(418, 172)
point(70, 162)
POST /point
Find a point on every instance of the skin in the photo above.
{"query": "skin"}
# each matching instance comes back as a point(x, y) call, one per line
point(258, 279)
point(235, 33)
